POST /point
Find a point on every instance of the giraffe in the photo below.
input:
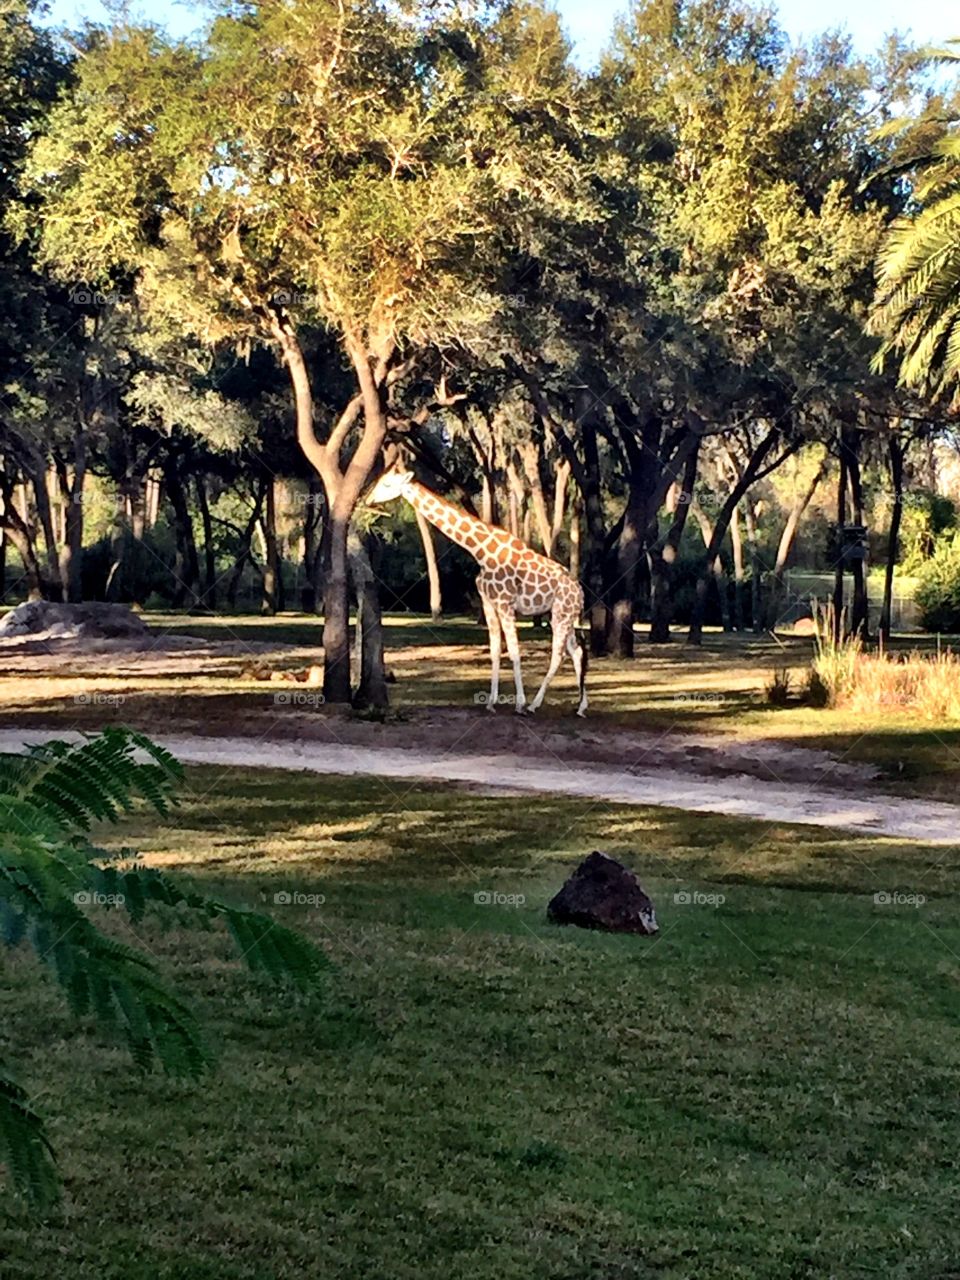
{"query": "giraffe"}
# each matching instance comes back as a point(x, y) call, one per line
point(514, 581)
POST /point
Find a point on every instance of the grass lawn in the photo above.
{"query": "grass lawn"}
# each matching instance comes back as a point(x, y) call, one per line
point(766, 1090)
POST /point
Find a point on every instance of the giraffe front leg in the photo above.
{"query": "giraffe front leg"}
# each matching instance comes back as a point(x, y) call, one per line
point(509, 624)
point(556, 657)
point(493, 628)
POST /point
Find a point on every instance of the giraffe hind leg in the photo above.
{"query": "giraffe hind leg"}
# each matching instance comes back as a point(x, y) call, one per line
point(578, 655)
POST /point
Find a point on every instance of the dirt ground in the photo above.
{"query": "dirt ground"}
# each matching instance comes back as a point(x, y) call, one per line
point(212, 701)
point(184, 684)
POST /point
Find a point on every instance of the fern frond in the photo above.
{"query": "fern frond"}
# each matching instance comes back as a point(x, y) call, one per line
point(96, 780)
point(24, 1146)
point(50, 872)
point(264, 946)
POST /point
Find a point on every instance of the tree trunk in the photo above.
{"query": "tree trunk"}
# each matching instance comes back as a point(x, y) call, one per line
point(336, 629)
point(596, 604)
point(574, 563)
point(71, 494)
point(311, 590)
point(785, 546)
point(838, 627)
point(186, 568)
point(629, 551)
point(246, 546)
point(433, 571)
point(663, 556)
point(530, 454)
point(895, 452)
point(271, 556)
point(38, 479)
point(372, 680)
point(860, 615)
point(151, 500)
point(209, 598)
point(559, 501)
point(21, 535)
point(748, 476)
point(736, 543)
point(750, 521)
point(515, 496)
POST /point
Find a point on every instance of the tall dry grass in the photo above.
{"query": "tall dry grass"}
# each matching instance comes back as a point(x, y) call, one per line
point(843, 675)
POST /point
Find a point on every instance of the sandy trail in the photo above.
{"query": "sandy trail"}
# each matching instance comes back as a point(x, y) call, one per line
point(867, 813)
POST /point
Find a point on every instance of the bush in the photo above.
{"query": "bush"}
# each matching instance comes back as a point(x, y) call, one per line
point(778, 688)
point(938, 587)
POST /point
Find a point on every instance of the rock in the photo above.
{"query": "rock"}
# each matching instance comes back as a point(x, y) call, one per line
point(314, 677)
point(94, 620)
point(805, 627)
point(603, 894)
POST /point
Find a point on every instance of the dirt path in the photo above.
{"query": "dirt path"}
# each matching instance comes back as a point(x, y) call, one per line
point(742, 796)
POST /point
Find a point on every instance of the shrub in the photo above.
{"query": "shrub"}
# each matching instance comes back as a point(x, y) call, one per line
point(778, 688)
point(815, 691)
point(938, 587)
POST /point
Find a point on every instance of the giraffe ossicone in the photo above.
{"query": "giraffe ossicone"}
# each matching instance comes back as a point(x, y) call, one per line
point(514, 581)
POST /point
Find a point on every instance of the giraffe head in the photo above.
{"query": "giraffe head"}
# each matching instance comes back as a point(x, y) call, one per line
point(390, 485)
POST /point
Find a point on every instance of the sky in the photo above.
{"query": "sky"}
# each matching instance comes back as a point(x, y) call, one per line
point(589, 22)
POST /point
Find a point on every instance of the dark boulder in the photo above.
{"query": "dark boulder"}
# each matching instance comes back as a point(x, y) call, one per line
point(603, 894)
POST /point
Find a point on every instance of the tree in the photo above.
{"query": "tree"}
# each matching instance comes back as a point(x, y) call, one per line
point(357, 179)
point(917, 304)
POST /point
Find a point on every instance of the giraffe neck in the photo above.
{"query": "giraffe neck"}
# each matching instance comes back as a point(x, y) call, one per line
point(486, 543)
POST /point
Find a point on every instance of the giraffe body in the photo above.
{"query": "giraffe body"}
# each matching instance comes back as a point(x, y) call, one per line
point(514, 581)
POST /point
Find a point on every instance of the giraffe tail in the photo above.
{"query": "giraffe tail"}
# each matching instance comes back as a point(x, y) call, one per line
point(583, 639)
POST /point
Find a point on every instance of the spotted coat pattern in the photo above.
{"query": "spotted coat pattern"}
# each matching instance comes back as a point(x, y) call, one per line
point(514, 581)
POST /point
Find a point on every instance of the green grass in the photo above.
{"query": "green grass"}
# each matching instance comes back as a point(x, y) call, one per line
point(767, 1090)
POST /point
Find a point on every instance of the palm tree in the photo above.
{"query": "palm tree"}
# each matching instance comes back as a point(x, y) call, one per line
point(916, 309)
